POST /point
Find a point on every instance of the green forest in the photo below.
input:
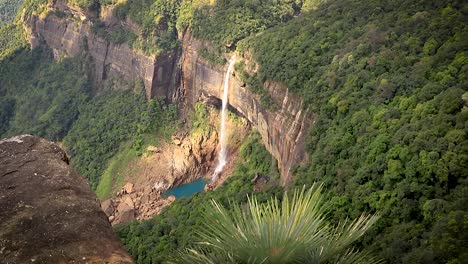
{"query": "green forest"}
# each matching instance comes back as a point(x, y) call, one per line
point(57, 102)
point(386, 82)
point(8, 10)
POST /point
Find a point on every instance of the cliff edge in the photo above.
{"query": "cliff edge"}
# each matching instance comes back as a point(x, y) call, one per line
point(48, 213)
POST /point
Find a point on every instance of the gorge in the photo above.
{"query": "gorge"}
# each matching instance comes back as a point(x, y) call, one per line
point(153, 99)
point(288, 124)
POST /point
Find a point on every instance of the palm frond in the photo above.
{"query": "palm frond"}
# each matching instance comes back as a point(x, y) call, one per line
point(294, 230)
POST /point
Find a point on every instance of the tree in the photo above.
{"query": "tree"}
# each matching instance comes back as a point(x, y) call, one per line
point(294, 230)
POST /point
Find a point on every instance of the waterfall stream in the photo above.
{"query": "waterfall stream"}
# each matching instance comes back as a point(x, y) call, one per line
point(222, 156)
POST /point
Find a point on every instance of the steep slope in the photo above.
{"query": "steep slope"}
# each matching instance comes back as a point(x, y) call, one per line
point(69, 30)
point(381, 86)
point(48, 213)
point(387, 81)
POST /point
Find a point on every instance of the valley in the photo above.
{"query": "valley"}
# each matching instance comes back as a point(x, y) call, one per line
point(228, 100)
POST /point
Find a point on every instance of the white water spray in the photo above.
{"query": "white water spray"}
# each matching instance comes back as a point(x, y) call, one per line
point(222, 156)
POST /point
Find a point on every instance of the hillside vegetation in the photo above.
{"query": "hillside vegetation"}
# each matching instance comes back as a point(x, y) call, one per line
point(8, 10)
point(386, 80)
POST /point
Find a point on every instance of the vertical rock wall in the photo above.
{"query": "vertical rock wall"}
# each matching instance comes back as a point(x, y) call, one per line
point(68, 36)
point(283, 130)
point(184, 78)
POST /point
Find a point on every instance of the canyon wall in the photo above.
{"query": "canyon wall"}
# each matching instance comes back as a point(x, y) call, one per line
point(283, 129)
point(184, 78)
point(69, 35)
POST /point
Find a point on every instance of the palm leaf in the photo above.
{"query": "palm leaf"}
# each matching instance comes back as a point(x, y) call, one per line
point(294, 230)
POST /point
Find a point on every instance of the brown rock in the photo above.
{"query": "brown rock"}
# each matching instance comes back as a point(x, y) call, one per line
point(153, 149)
point(145, 198)
point(128, 187)
point(171, 198)
point(176, 140)
point(108, 207)
point(128, 200)
point(48, 213)
point(125, 213)
point(127, 216)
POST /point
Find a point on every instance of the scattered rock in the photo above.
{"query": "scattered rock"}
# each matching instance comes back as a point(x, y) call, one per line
point(176, 140)
point(128, 187)
point(171, 198)
point(153, 149)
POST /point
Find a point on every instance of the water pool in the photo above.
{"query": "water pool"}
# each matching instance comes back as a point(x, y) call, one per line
point(186, 189)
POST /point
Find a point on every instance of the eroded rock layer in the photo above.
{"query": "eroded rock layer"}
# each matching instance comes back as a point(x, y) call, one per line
point(69, 35)
point(48, 213)
point(184, 78)
point(283, 128)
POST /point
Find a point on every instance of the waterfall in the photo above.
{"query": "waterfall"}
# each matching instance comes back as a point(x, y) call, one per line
point(222, 156)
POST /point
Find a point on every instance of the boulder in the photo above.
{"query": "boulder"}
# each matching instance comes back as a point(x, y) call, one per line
point(128, 200)
point(108, 207)
point(176, 140)
point(153, 149)
point(48, 213)
point(128, 187)
point(127, 216)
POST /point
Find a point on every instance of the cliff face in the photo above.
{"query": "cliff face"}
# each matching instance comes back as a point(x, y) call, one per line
point(68, 36)
point(48, 213)
point(283, 130)
point(184, 78)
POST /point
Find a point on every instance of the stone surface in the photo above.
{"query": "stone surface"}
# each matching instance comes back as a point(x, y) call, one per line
point(48, 213)
point(153, 149)
point(128, 187)
point(283, 130)
point(68, 36)
point(108, 207)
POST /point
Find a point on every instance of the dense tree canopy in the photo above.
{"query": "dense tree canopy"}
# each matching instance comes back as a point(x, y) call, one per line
point(8, 10)
point(386, 80)
point(47, 102)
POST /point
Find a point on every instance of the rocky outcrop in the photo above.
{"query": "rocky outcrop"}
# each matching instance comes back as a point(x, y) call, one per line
point(48, 213)
point(188, 157)
point(69, 35)
point(283, 129)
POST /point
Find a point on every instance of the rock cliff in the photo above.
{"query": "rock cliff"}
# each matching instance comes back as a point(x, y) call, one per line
point(48, 213)
point(283, 129)
point(184, 78)
point(68, 35)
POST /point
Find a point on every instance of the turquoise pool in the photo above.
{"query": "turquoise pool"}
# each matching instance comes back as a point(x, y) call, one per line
point(186, 189)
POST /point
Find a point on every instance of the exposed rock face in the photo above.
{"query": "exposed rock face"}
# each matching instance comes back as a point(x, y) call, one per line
point(187, 157)
point(48, 213)
point(283, 130)
point(68, 36)
point(186, 81)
